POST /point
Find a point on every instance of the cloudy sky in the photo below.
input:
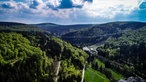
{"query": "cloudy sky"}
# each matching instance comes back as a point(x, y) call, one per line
point(72, 11)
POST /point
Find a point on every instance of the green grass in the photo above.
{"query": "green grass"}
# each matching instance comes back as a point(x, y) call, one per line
point(92, 75)
point(95, 76)
point(116, 75)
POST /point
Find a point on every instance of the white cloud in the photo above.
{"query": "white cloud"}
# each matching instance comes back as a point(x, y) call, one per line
point(106, 9)
point(98, 8)
point(54, 3)
point(77, 2)
point(9, 4)
point(109, 8)
point(37, 4)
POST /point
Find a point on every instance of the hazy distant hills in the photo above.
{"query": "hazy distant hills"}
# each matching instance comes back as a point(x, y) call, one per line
point(10, 23)
point(54, 29)
point(100, 32)
point(81, 34)
point(61, 29)
point(21, 27)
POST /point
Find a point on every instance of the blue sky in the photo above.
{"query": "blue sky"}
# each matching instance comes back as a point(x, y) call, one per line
point(72, 11)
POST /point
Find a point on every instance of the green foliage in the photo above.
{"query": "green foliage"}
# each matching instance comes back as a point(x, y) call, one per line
point(61, 50)
point(117, 76)
point(59, 30)
point(100, 33)
point(68, 72)
point(21, 61)
point(111, 74)
point(72, 59)
point(19, 28)
point(100, 63)
point(95, 76)
point(128, 50)
point(29, 56)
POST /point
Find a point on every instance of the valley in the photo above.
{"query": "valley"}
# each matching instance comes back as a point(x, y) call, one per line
point(113, 52)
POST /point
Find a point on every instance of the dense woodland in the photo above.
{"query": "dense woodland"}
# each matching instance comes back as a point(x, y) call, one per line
point(129, 50)
point(99, 33)
point(31, 55)
point(121, 47)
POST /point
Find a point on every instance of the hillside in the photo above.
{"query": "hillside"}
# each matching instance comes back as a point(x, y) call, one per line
point(31, 54)
point(129, 50)
point(120, 47)
point(10, 23)
point(18, 27)
point(100, 33)
point(59, 30)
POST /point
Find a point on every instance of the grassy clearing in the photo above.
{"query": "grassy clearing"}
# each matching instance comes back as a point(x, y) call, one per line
point(116, 75)
point(92, 75)
point(95, 76)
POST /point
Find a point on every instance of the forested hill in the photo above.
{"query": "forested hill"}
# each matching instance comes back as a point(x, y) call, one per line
point(10, 23)
point(19, 27)
point(28, 54)
point(59, 30)
point(100, 33)
point(128, 49)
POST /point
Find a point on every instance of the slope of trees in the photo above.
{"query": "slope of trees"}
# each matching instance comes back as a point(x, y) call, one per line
point(59, 30)
point(20, 61)
point(100, 33)
point(128, 50)
point(35, 56)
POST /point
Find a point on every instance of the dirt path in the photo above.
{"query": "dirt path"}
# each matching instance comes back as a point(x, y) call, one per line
point(56, 70)
point(83, 73)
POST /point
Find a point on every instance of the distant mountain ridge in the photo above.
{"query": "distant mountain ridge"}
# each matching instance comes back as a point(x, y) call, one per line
point(83, 34)
point(10, 23)
point(14, 26)
point(61, 29)
point(53, 28)
point(100, 32)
